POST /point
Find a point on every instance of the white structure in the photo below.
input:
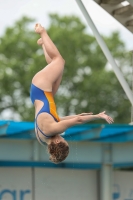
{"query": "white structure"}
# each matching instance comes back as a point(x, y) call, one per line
point(121, 10)
point(124, 14)
point(88, 172)
point(44, 183)
point(106, 50)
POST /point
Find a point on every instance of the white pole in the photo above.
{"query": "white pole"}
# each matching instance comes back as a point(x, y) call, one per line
point(106, 182)
point(132, 88)
point(106, 52)
point(35, 150)
point(106, 173)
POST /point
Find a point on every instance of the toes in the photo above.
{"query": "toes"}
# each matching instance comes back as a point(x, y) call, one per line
point(36, 26)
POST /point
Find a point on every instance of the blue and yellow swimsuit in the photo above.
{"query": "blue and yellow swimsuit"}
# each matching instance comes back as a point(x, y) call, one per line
point(48, 105)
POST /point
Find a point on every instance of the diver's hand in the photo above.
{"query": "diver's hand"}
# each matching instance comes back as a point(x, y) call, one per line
point(107, 118)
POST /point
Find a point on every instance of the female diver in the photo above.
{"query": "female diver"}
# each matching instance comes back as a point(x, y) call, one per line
point(43, 88)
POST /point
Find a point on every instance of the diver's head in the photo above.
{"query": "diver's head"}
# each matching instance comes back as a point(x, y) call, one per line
point(58, 149)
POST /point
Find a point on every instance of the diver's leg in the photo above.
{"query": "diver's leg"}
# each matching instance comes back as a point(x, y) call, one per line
point(48, 43)
point(47, 78)
point(47, 57)
point(49, 60)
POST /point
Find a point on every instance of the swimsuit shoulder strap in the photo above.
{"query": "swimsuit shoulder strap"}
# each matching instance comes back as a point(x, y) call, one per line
point(40, 140)
point(37, 128)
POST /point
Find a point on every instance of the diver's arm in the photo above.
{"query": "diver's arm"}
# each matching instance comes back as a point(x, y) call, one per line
point(73, 116)
point(68, 117)
point(58, 128)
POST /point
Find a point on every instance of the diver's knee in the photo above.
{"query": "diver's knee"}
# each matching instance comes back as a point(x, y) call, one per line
point(59, 59)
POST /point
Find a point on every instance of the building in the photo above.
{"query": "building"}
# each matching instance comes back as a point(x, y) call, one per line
point(90, 171)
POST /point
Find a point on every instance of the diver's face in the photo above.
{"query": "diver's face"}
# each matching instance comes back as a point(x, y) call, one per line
point(59, 139)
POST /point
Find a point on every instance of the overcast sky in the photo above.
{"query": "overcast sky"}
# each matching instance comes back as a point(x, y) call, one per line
point(11, 10)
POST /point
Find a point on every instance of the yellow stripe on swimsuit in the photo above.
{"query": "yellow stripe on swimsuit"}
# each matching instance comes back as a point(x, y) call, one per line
point(52, 105)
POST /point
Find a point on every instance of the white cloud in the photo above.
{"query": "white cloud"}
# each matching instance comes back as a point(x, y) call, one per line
point(10, 11)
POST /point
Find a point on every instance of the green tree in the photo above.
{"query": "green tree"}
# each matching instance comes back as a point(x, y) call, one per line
point(19, 60)
point(87, 83)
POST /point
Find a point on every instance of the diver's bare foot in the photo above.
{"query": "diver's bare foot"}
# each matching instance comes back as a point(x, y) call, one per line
point(40, 42)
point(38, 28)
